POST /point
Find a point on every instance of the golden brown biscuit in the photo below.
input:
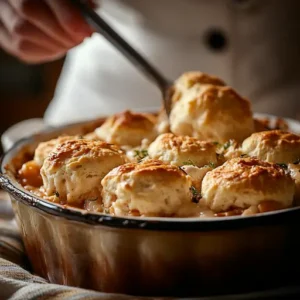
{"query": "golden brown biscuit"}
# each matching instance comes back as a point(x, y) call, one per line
point(273, 146)
point(212, 113)
point(245, 182)
point(44, 148)
point(128, 129)
point(74, 169)
point(151, 188)
point(189, 79)
point(182, 150)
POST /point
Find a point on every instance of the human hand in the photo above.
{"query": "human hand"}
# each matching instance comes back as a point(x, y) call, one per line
point(38, 31)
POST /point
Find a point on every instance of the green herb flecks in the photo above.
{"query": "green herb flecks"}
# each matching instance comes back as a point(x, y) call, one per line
point(189, 162)
point(196, 195)
point(218, 146)
point(211, 165)
point(140, 154)
point(227, 144)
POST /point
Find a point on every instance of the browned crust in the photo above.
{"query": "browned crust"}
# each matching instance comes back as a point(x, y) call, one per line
point(227, 98)
point(148, 167)
point(189, 79)
point(184, 143)
point(277, 137)
point(76, 148)
point(247, 168)
point(130, 119)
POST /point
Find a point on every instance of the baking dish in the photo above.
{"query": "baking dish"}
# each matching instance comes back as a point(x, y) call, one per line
point(151, 256)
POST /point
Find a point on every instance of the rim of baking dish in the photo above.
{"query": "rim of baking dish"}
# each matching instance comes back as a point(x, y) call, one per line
point(151, 223)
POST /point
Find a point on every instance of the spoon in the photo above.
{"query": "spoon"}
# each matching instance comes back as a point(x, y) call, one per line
point(101, 26)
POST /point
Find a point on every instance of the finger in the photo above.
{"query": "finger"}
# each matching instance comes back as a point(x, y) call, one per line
point(70, 19)
point(8, 17)
point(20, 28)
point(24, 50)
point(40, 15)
point(36, 36)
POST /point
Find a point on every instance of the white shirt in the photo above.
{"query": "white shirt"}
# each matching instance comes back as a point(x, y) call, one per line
point(173, 35)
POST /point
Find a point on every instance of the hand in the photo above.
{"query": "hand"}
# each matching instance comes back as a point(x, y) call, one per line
point(38, 31)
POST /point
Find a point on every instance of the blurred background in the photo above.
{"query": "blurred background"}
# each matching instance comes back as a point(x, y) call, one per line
point(25, 90)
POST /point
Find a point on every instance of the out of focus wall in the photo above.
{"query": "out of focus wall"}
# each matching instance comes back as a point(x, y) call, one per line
point(25, 90)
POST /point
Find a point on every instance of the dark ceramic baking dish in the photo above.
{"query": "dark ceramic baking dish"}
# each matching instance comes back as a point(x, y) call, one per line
point(151, 256)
